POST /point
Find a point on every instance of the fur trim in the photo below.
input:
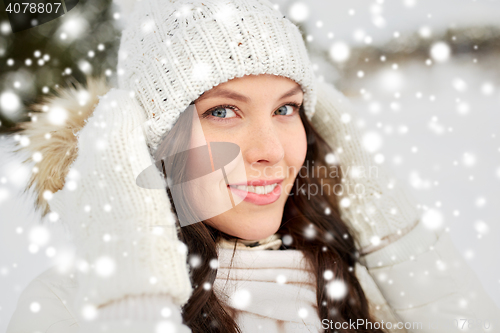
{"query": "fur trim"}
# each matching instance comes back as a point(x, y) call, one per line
point(60, 150)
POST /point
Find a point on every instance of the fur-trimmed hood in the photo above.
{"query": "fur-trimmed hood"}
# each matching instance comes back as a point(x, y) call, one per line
point(52, 132)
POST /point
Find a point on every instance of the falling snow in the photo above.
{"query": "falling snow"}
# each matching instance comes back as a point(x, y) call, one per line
point(340, 52)
point(9, 103)
point(105, 266)
point(299, 12)
point(433, 118)
point(336, 289)
point(240, 299)
point(433, 219)
point(440, 52)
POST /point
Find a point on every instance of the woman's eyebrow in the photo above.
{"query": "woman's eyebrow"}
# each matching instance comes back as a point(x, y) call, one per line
point(236, 96)
point(292, 92)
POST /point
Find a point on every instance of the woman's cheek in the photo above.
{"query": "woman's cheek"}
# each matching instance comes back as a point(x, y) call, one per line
point(214, 134)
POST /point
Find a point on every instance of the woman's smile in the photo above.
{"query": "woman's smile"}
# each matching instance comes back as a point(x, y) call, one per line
point(258, 192)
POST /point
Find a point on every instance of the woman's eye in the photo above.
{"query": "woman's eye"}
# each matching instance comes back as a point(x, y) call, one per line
point(223, 112)
point(285, 110)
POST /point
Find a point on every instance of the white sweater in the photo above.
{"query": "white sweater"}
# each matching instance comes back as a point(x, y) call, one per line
point(419, 279)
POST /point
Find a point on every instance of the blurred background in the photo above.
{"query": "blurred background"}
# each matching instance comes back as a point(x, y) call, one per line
point(423, 75)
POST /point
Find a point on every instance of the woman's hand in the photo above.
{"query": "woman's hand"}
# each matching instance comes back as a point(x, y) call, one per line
point(126, 236)
point(376, 206)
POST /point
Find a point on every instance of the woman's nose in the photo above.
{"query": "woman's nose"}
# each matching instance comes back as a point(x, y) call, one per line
point(263, 144)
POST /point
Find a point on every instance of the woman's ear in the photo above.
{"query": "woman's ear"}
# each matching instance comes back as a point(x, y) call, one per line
point(56, 139)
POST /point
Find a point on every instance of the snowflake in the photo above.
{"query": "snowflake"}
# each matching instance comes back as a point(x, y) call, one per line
point(39, 235)
point(336, 289)
point(214, 263)
point(281, 279)
point(481, 227)
point(468, 159)
point(340, 52)
point(240, 299)
point(303, 313)
point(194, 261)
point(440, 52)
point(9, 103)
point(432, 219)
point(372, 141)
point(459, 85)
point(105, 266)
point(35, 307)
point(299, 12)
point(89, 312)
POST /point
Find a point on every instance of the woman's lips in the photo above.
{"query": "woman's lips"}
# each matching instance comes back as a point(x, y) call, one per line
point(259, 199)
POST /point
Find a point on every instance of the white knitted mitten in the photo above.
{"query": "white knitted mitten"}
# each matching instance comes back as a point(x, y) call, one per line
point(125, 235)
point(378, 207)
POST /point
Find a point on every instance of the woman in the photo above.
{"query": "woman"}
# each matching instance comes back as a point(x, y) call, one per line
point(311, 236)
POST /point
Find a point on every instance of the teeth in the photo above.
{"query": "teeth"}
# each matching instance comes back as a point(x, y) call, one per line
point(257, 189)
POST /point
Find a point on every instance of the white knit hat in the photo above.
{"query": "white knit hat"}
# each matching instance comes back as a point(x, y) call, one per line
point(173, 51)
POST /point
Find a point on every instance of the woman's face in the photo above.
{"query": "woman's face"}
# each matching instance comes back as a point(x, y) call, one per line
point(260, 114)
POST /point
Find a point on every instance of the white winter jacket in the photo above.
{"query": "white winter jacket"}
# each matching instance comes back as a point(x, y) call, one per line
point(419, 283)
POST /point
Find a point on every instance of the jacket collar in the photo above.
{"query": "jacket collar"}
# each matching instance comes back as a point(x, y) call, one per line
point(272, 242)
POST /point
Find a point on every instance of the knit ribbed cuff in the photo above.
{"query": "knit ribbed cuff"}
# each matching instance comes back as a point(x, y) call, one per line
point(143, 308)
point(415, 242)
point(145, 313)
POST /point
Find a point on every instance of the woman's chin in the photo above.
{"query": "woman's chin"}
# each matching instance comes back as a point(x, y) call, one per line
point(258, 231)
point(248, 225)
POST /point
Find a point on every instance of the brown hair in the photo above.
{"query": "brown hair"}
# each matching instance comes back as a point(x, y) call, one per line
point(332, 247)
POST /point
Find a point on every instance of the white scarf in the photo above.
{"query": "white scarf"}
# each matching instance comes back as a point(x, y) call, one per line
point(270, 291)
